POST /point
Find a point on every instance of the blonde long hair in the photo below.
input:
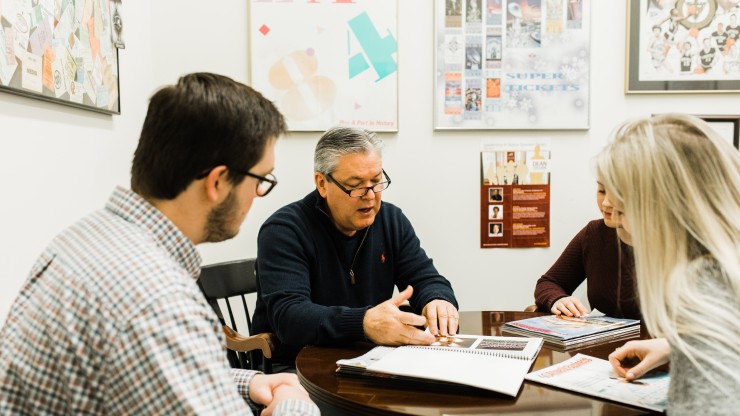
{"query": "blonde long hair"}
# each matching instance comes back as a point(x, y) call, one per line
point(679, 184)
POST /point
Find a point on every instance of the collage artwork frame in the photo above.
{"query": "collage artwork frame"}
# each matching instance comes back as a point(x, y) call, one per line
point(64, 53)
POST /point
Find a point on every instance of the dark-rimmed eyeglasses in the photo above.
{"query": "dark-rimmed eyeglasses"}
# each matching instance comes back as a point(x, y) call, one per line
point(265, 183)
point(362, 191)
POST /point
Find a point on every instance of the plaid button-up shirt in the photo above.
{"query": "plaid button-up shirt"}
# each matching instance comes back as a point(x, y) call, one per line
point(111, 321)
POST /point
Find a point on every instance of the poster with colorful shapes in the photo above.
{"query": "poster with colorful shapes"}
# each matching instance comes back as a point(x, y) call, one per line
point(524, 64)
point(327, 62)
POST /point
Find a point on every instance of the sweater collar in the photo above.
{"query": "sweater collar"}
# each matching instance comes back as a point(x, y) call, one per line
point(315, 201)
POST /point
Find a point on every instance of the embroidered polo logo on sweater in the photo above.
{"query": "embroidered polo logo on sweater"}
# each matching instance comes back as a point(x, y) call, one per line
point(382, 258)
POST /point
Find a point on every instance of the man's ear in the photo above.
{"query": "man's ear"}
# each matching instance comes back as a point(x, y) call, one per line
point(215, 184)
point(321, 183)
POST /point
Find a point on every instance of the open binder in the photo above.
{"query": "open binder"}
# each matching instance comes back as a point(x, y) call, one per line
point(492, 363)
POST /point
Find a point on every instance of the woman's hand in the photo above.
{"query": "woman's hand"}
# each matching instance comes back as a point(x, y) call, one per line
point(635, 358)
point(569, 306)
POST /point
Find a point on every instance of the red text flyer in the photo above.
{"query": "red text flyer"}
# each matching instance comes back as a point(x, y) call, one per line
point(515, 195)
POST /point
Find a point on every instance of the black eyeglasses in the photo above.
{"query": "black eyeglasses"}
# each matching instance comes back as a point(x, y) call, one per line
point(264, 186)
point(266, 183)
point(362, 191)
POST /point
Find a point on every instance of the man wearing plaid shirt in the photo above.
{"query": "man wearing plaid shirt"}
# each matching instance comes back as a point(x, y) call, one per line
point(110, 320)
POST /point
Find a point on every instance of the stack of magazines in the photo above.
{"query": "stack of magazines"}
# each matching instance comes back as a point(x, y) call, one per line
point(564, 333)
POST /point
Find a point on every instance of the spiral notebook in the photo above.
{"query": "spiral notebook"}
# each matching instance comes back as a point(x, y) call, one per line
point(486, 362)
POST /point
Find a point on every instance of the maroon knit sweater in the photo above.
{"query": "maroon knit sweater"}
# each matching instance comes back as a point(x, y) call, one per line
point(593, 255)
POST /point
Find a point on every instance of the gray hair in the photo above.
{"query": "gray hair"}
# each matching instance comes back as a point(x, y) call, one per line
point(341, 141)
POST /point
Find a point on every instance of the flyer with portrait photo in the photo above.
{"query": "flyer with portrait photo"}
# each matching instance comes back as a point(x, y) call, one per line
point(515, 195)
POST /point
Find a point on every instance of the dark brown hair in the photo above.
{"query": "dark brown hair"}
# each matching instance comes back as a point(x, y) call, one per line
point(205, 120)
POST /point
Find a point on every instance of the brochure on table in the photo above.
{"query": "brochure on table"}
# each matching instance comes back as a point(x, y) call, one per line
point(595, 377)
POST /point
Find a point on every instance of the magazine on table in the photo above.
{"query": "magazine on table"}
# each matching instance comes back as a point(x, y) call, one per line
point(595, 377)
point(566, 332)
point(486, 362)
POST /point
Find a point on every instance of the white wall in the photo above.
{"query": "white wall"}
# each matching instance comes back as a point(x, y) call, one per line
point(59, 163)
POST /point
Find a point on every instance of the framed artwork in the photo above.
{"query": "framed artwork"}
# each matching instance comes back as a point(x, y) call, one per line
point(683, 46)
point(728, 126)
point(62, 51)
point(327, 62)
point(512, 65)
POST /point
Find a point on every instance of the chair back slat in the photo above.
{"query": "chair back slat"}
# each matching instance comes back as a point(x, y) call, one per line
point(249, 318)
point(225, 280)
point(231, 316)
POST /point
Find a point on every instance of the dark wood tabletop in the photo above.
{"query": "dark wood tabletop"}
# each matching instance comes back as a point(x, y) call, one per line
point(343, 395)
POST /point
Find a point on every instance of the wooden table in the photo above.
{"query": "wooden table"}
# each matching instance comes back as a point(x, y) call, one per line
point(342, 395)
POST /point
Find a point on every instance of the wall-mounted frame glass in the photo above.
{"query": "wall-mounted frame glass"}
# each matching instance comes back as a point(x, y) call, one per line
point(327, 63)
point(728, 126)
point(682, 46)
point(512, 65)
point(62, 52)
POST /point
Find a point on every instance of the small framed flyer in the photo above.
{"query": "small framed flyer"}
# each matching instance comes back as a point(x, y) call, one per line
point(728, 126)
point(515, 194)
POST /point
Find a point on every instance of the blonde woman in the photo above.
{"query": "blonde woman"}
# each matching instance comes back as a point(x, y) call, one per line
point(675, 185)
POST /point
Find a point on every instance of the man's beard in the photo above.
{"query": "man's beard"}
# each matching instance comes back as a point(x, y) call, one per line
point(217, 228)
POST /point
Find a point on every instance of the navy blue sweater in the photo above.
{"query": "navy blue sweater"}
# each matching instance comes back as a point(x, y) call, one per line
point(306, 295)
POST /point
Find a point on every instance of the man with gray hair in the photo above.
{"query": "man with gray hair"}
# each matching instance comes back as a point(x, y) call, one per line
point(327, 264)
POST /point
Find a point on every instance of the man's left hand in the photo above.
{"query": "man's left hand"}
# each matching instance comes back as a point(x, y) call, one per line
point(442, 317)
point(272, 389)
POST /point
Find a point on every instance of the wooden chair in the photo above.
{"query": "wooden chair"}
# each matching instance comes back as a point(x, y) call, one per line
point(238, 279)
point(531, 308)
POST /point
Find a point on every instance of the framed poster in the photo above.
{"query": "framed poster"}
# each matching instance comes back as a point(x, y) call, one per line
point(61, 51)
point(327, 62)
point(728, 126)
point(682, 46)
point(511, 64)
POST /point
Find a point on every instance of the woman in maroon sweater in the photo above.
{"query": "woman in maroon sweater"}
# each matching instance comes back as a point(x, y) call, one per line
point(599, 253)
